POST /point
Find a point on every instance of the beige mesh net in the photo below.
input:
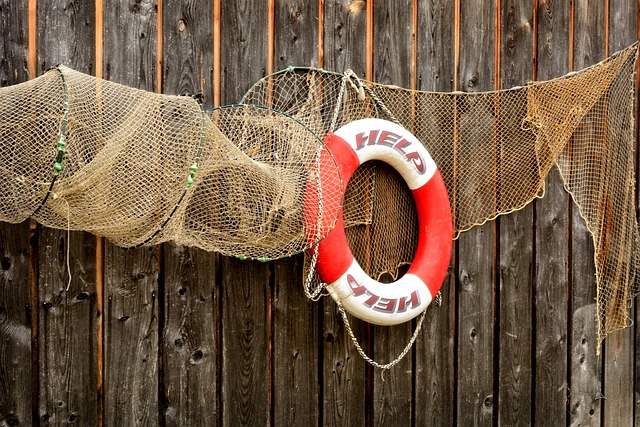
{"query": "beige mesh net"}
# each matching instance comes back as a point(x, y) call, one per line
point(494, 150)
point(142, 168)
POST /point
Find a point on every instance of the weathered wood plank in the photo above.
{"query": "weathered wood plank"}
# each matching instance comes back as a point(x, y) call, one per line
point(619, 346)
point(67, 319)
point(551, 240)
point(636, 380)
point(585, 366)
point(187, 66)
point(434, 367)
point(190, 329)
point(343, 372)
point(245, 286)
point(516, 237)
point(15, 324)
point(296, 383)
point(295, 318)
point(131, 303)
point(392, 47)
point(15, 279)
point(67, 339)
point(243, 28)
point(246, 356)
point(476, 268)
point(131, 336)
point(345, 27)
point(636, 322)
point(189, 340)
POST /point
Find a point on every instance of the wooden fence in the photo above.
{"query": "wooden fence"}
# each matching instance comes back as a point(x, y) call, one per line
point(177, 336)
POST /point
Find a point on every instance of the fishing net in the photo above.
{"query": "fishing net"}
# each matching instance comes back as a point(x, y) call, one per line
point(140, 168)
point(494, 151)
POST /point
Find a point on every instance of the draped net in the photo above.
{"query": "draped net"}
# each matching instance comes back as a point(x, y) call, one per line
point(494, 150)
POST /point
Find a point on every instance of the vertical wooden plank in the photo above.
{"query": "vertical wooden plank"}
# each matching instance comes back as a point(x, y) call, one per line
point(187, 65)
point(343, 373)
point(619, 346)
point(295, 348)
point(585, 366)
point(189, 341)
point(15, 323)
point(295, 318)
point(434, 373)
point(636, 380)
point(476, 269)
point(15, 279)
point(551, 240)
point(67, 353)
point(392, 50)
point(131, 276)
point(516, 238)
point(245, 285)
point(67, 318)
point(246, 376)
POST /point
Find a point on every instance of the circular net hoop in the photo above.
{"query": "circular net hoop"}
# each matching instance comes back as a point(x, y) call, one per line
point(141, 168)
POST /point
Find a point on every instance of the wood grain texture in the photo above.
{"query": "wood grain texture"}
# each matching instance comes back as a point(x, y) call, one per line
point(67, 318)
point(296, 384)
point(295, 318)
point(246, 285)
point(552, 238)
point(187, 66)
point(636, 358)
point(476, 268)
point(190, 334)
point(434, 365)
point(392, 46)
point(16, 397)
point(131, 336)
point(618, 354)
point(296, 35)
point(343, 378)
point(67, 339)
point(131, 300)
point(190, 330)
point(585, 366)
point(15, 280)
point(246, 352)
point(244, 34)
point(516, 239)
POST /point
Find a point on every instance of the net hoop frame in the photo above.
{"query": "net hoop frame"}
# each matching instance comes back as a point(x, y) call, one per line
point(313, 234)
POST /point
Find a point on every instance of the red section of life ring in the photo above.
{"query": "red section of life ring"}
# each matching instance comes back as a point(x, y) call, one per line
point(362, 296)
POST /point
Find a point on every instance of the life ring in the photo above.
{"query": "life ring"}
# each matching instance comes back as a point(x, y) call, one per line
point(362, 296)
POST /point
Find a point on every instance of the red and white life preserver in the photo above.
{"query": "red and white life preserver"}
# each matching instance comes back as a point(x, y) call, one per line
point(362, 296)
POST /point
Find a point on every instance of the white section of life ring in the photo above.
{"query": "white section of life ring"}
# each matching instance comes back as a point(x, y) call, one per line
point(371, 140)
point(379, 303)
